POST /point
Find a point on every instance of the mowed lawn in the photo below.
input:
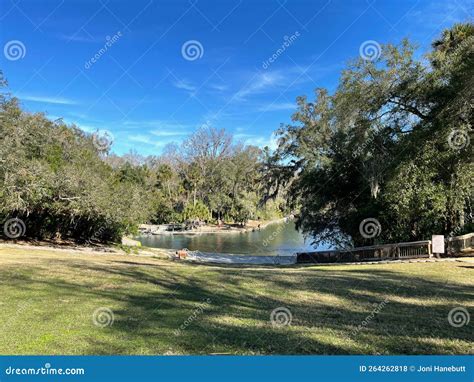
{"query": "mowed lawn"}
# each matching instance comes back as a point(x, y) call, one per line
point(48, 298)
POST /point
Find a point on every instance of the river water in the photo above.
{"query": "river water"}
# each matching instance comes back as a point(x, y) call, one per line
point(275, 239)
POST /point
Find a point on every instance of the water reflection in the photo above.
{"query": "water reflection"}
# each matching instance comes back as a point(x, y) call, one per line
point(276, 239)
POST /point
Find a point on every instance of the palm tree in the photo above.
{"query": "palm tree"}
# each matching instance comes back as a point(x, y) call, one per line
point(450, 41)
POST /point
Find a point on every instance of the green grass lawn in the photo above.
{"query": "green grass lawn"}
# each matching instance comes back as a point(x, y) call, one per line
point(47, 302)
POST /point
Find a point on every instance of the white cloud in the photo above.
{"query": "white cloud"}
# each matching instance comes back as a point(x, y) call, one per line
point(259, 83)
point(46, 99)
point(160, 128)
point(150, 140)
point(80, 38)
point(185, 85)
point(87, 128)
point(281, 79)
point(140, 138)
point(275, 106)
point(258, 140)
point(437, 15)
point(163, 133)
point(218, 87)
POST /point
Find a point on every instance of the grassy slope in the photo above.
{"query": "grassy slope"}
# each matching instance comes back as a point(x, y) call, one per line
point(47, 300)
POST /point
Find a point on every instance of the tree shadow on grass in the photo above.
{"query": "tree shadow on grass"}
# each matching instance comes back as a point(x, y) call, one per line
point(184, 311)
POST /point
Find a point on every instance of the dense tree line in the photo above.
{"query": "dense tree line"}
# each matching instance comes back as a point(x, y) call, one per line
point(63, 183)
point(391, 144)
point(53, 177)
point(208, 177)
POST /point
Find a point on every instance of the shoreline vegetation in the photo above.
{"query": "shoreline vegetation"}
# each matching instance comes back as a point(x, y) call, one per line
point(174, 229)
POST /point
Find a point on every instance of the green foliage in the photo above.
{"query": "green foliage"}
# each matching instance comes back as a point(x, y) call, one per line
point(55, 180)
point(196, 211)
point(210, 170)
point(391, 143)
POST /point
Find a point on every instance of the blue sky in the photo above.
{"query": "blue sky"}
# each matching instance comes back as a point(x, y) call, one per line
point(148, 90)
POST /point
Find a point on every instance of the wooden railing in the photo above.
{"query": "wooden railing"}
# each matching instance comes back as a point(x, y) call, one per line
point(460, 244)
point(416, 249)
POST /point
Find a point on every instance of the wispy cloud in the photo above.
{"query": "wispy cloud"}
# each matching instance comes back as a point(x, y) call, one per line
point(278, 106)
point(46, 99)
point(185, 85)
point(80, 38)
point(140, 138)
point(159, 127)
point(258, 140)
point(437, 15)
point(281, 79)
point(87, 128)
point(149, 140)
point(218, 87)
point(162, 133)
point(259, 83)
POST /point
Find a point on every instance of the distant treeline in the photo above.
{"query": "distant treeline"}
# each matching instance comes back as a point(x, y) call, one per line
point(63, 183)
